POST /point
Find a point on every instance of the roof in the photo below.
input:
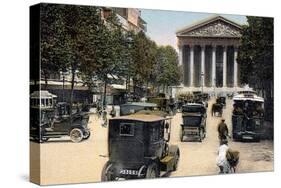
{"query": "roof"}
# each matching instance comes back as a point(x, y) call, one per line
point(243, 97)
point(194, 104)
point(141, 117)
point(42, 94)
point(144, 104)
point(206, 21)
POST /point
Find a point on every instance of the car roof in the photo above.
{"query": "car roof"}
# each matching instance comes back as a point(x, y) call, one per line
point(193, 104)
point(141, 117)
point(145, 104)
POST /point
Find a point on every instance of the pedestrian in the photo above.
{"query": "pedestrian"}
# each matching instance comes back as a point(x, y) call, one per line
point(104, 118)
point(221, 160)
point(222, 130)
point(113, 112)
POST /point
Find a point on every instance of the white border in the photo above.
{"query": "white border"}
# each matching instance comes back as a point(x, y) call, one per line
point(14, 76)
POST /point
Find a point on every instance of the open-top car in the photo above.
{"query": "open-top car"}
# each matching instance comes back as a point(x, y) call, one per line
point(194, 122)
point(138, 148)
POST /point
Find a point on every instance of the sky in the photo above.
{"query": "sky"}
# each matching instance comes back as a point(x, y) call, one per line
point(162, 24)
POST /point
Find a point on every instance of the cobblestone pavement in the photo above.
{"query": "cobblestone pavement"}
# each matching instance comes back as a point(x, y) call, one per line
point(67, 162)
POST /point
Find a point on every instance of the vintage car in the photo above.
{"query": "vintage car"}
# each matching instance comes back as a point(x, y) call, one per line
point(133, 107)
point(58, 122)
point(138, 148)
point(247, 116)
point(194, 122)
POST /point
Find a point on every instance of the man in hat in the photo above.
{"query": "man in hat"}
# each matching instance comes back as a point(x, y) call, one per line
point(222, 130)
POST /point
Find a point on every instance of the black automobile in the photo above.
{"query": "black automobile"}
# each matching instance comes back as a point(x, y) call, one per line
point(58, 122)
point(138, 148)
point(194, 122)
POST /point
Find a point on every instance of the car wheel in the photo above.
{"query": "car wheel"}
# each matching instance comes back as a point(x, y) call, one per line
point(107, 172)
point(87, 135)
point(76, 135)
point(152, 171)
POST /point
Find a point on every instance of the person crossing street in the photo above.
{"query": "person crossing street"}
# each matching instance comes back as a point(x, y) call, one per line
point(222, 130)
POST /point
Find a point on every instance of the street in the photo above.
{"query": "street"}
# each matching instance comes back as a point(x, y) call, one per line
point(67, 162)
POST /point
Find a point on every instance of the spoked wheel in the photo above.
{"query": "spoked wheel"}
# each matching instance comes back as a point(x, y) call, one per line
point(76, 135)
point(108, 172)
point(152, 171)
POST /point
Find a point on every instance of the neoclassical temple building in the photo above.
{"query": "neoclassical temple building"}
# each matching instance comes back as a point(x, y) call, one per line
point(208, 52)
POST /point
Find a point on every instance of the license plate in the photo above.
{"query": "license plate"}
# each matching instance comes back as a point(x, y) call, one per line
point(128, 172)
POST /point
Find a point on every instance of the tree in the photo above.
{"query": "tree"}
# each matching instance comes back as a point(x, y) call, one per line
point(105, 51)
point(256, 54)
point(256, 59)
point(167, 69)
point(143, 54)
point(52, 49)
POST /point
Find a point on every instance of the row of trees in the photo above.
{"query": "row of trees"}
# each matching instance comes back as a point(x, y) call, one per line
point(85, 41)
point(256, 58)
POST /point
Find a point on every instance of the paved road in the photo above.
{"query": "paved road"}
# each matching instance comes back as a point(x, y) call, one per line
point(67, 162)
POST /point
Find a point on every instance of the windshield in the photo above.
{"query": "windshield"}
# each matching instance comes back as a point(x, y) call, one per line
point(192, 120)
point(192, 109)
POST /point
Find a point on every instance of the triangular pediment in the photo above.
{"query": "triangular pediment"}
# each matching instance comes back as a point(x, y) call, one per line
point(213, 27)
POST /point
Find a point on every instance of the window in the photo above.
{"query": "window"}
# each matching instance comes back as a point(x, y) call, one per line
point(154, 131)
point(126, 129)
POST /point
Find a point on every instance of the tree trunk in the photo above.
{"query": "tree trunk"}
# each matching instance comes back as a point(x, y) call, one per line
point(72, 88)
point(104, 93)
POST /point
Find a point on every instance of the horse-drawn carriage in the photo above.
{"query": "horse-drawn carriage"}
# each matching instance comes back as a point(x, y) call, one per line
point(217, 109)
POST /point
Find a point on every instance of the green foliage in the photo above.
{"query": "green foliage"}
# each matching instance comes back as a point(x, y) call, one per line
point(79, 39)
point(168, 71)
point(256, 53)
point(143, 54)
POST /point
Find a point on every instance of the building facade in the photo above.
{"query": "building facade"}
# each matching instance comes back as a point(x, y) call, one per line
point(207, 52)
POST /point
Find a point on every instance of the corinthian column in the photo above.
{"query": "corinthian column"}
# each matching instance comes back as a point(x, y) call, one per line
point(203, 65)
point(180, 54)
point(191, 65)
point(235, 72)
point(224, 65)
point(214, 66)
